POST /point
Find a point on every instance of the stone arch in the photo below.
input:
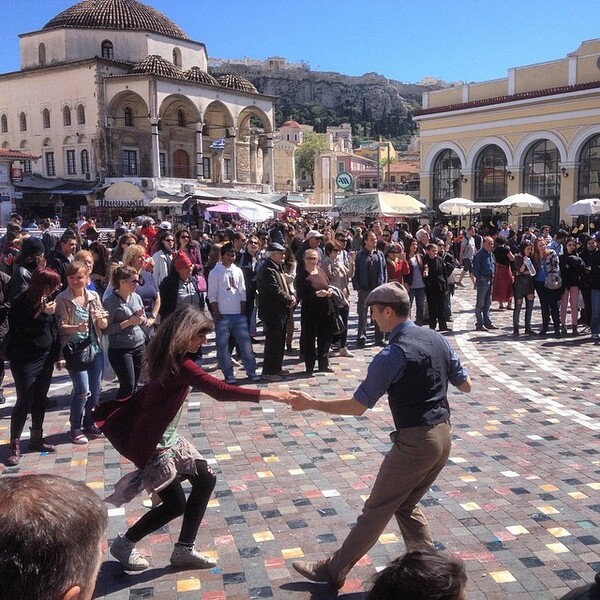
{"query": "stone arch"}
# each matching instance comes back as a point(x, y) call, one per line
point(217, 119)
point(434, 151)
point(133, 101)
point(68, 141)
point(579, 141)
point(488, 141)
point(252, 114)
point(24, 145)
point(5, 145)
point(46, 123)
point(47, 142)
point(529, 140)
point(169, 112)
point(80, 114)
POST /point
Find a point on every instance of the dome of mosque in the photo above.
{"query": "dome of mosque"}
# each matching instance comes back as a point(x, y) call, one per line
point(237, 82)
point(197, 75)
point(157, 65)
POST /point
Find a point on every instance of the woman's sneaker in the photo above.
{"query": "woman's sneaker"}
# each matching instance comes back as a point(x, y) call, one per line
point(78, 437)
point(126, 553)
point(183, 556)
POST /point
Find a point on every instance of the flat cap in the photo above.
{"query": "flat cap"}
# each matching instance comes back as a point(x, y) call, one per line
point(388, 293)
point(313, 233)
point(275, 247)
point(164, 225)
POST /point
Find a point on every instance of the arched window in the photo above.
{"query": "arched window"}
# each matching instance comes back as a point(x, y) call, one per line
point(80, 115)
point(42, 54)
point(107, 50)
point(3, 124)
point(85, 161)
point(66, 116)
point(128, 116)
point(22, 122)
point(46, 119)
point(177, 57)
point(446, 177)
point(589, 169)
point(181, 117)
point(490, 174)
point(541, 176)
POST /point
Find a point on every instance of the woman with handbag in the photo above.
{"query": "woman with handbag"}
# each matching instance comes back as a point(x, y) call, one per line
point(81, 320)
point(185, 243)
point(547, 284)
point(524, 288)
point(32, 349)
point(144, 430)
point(126, 334)
point(572, 269)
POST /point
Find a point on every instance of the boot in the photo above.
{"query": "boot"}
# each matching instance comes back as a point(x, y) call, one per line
point(575, 330)
point(14, 453)
point(38, 444)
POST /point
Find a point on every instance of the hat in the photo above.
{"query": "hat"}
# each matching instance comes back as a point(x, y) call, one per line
point(164, 225)
point(275, 247)
point(181, 261)
point(313, 233)
point(388, 293)
point(32, 246)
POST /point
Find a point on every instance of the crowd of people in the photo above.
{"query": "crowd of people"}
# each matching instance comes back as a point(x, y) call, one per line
point(139, 309)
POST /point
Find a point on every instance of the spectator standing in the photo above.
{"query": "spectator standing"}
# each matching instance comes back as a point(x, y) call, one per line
point(502, 290)
point(483, 271)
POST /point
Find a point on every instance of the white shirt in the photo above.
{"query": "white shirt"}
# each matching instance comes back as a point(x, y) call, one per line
point(226, 287)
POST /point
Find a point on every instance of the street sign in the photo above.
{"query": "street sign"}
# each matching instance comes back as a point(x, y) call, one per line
point(344, 180)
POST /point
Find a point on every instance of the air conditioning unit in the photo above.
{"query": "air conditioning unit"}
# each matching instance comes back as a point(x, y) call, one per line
point(147, 184)
point(188, 188)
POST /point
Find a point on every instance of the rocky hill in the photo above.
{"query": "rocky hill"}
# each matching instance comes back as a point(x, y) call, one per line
point(372, 104)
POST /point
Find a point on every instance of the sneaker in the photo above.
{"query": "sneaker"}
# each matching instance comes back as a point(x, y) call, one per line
point(230, 380)
point(235, 362)
point(255, 378)
point(317, 571)
point(272, 377)
point(188, 557)
point(78, 437)
point(345, 352)
point(126, 553)
point(92, 431)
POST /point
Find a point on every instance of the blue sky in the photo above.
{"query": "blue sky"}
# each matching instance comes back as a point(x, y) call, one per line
point(468, 40)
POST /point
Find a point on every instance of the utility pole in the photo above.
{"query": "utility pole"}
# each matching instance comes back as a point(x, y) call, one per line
point(378, 166)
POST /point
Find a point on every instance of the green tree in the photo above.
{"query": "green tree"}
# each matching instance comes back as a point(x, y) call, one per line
point(312, 143)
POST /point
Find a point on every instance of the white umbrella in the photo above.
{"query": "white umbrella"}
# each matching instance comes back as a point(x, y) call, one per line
point(584, 208)
point(524, 203)
point(458, 207)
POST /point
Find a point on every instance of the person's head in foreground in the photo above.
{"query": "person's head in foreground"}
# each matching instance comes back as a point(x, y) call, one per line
point(51, 531)
point(421, 575)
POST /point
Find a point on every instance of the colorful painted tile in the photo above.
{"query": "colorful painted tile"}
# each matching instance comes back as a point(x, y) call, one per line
point(502, 576)
point(188, 585)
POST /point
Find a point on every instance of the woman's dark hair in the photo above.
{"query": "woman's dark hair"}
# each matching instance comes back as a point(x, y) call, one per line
point(500, 240)
point(169, 344)
point(570, 240)
point(122, 274)
point(178, 238)
point(524, 245)
point(100, 263)
point(117, 255)
point(330, 247)
point(420, 575)
point(160, 240)
point(42, 280)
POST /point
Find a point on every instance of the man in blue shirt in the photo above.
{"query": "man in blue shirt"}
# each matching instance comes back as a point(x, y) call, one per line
point(483, 270)
point(414, 369)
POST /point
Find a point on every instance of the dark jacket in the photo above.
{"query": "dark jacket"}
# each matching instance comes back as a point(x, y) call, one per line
point(271, 285)
point(58, 262)
point(360, 280)
point(572, 268)
point(168, 293)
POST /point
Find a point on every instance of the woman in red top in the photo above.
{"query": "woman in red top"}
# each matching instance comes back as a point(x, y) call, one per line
point(396, 263)
point(144, 430)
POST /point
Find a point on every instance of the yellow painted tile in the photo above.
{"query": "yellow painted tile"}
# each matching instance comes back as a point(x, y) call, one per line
point(492, 407)
point(547, 510)
point(578, 495)
point(271, 459)
point(296, 471)
point(494, 422)
point(79, 462)
point(264, 474)
point(292, 553)
point(234, 448)
point(457, 459)
point(347, 457)
point(388, 538)
point(594, 486)
point(474, 433)
point(212, 554)
point(557, 548)
point(222, 456)
point(263, 536)
point(188, 585)
point(502, 576)
point(558, 532)
point(327, 422)
point(517, 529)
point(471, 506)
point(490, 428)
point(468, 478)
point(548, 487)
point(95, 485)
point(213, 503)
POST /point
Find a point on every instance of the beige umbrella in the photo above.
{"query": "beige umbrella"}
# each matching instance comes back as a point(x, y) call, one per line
point(380, 204)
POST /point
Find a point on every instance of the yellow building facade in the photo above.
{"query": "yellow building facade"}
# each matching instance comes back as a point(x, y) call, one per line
point(535, 131)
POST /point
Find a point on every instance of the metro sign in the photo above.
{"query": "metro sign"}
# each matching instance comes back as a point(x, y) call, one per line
point(344, 180)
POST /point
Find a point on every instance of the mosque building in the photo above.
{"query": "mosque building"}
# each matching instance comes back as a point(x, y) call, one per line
point(114, 92)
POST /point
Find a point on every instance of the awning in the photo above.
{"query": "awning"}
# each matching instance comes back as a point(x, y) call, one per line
point(380, 204)
point(170, 200)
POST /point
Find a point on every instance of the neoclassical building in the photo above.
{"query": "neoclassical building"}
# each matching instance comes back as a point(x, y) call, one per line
point(536, 131)
point(113, 90)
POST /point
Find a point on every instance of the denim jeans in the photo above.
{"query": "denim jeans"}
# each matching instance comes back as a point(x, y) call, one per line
point(417, 296)
point(595, 322)
point(86, 392)
point(483, 302)
point(236, 326)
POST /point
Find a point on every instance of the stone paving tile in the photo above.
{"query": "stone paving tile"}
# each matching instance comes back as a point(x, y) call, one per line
point(518, 500)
